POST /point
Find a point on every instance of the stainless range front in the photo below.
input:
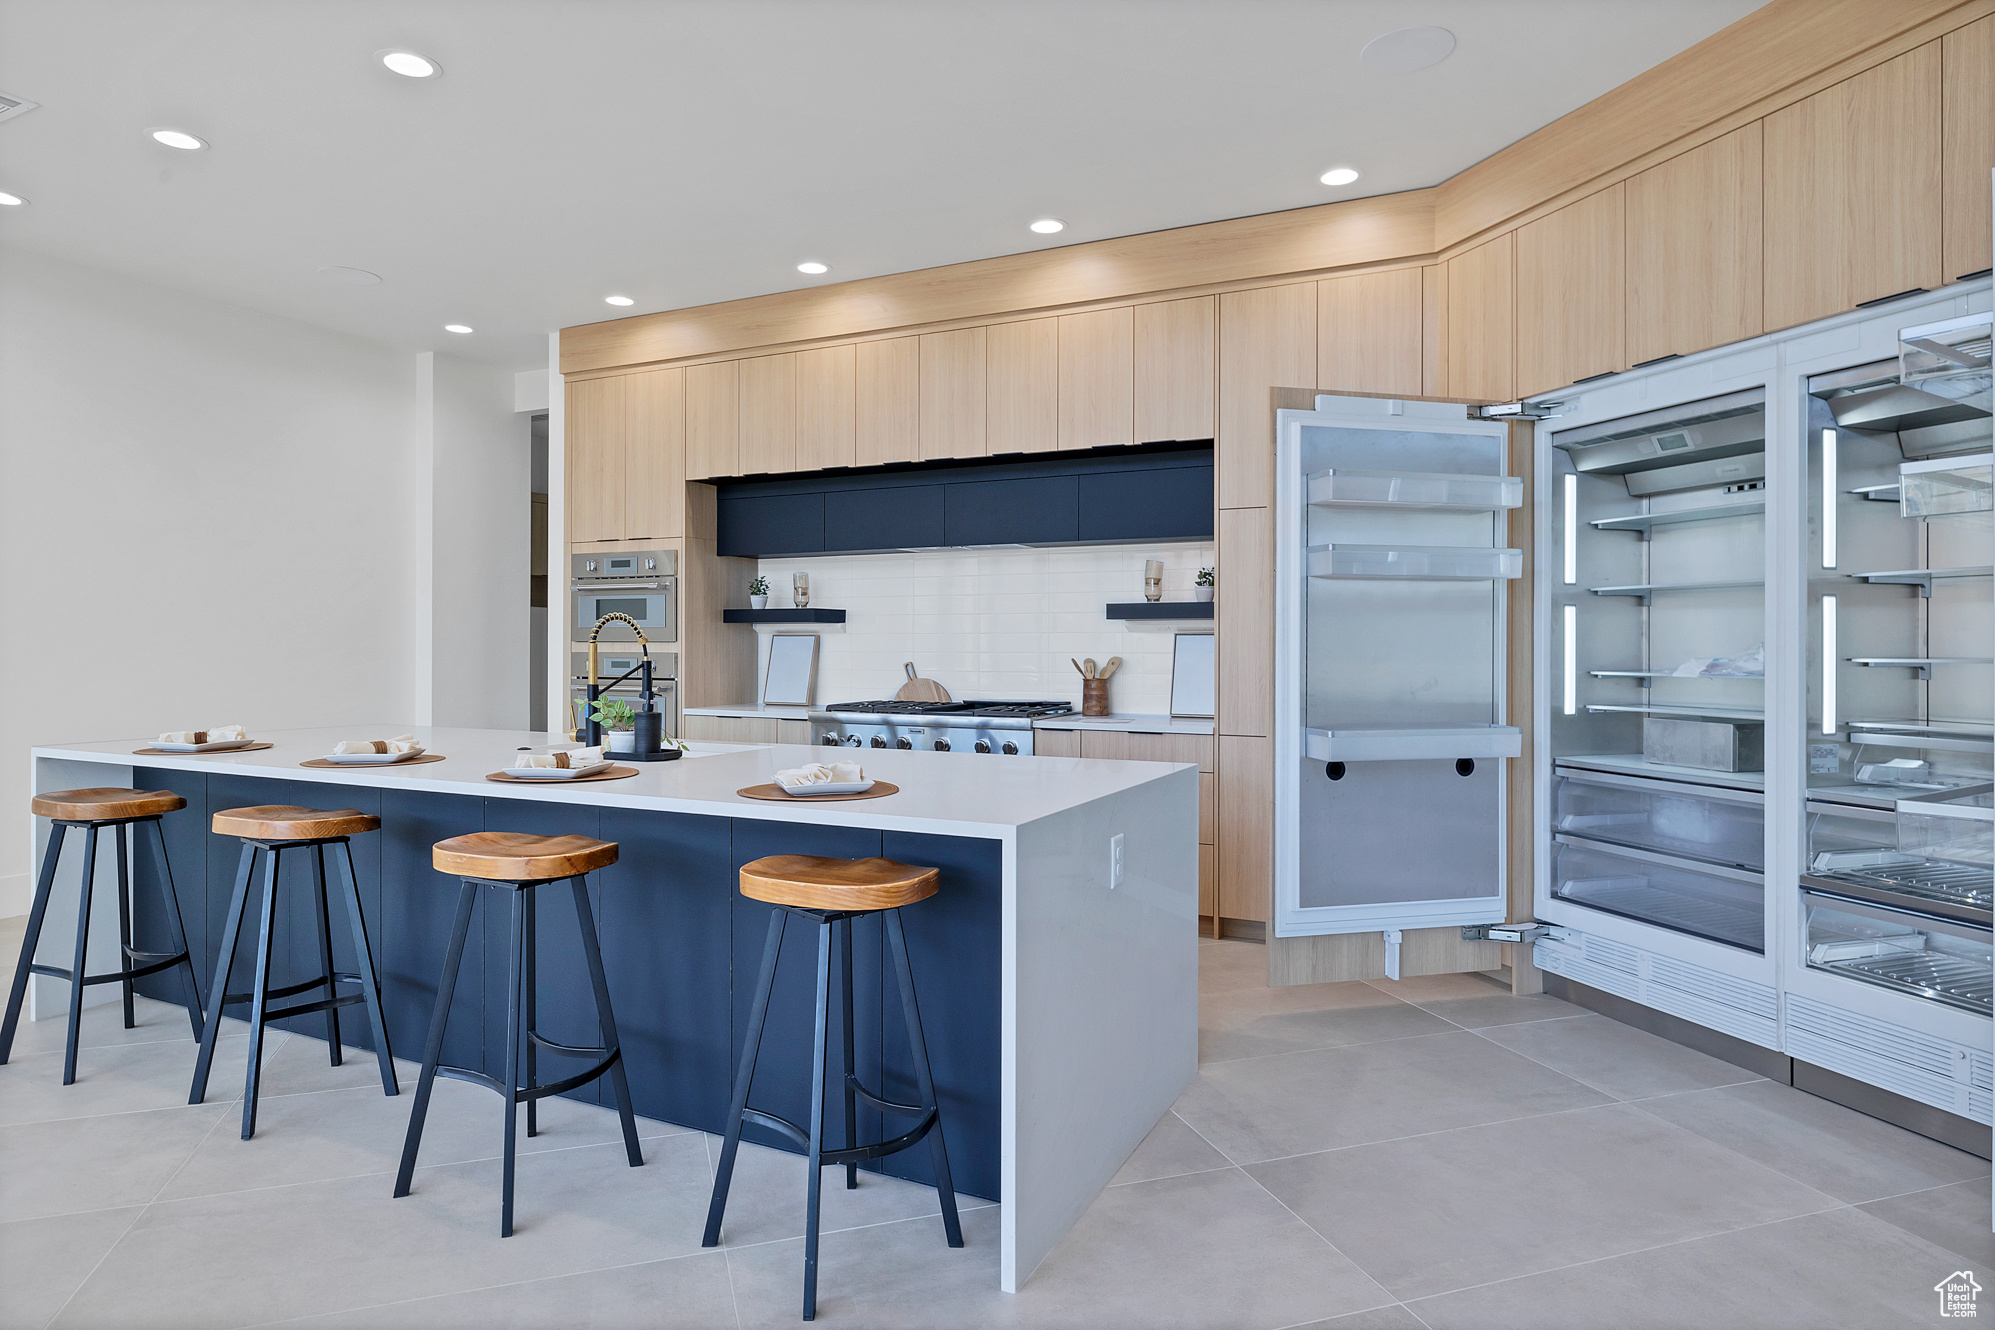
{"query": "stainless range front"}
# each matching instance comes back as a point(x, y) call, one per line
point(998, 728)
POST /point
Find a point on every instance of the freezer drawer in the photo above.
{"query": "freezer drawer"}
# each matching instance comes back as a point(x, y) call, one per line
point(1725, 827)
point(1939, 960)
point(1721, 904)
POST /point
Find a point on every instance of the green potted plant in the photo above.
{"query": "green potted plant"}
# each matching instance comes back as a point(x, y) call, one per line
point(758, 593)
point(1206, 584)
point(619, 724)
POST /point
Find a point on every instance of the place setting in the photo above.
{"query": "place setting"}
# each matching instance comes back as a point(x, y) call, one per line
point(564, 764)
point(828, 781)
point(220, 739)
point(404, 750)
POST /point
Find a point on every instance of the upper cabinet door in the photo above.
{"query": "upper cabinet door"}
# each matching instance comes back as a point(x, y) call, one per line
point(769, 415)
point(1177, 361)
point(654, 457)
point(1480, 294)
point(593, 442)
point(1572, 303)
point(713, 420)
point(1267, 340)
point(952, 394)
point(1853, 191)
point(1368, 333)
point(889, 401)
point(1022, 392)
point(827, 413)
point(1097, 378)
point(1694, 249)
point(1969, 149)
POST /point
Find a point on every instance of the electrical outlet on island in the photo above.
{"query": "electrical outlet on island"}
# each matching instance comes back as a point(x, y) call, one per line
point(1115, 861)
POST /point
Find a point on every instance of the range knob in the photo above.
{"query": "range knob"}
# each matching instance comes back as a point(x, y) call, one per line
point(983, 745)
point(853, 741)
point(827, 740)
point(1010, 747)
point(941, 745)
point(879, 741)
point(903, 743)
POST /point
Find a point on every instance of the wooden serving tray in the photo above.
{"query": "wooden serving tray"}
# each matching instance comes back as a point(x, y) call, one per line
point(614, 773)
point(371, 766)
point(213, 752)
point(774, 792)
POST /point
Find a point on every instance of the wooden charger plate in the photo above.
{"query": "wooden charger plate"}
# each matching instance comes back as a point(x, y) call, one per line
point(772, 791)
point(372, 766)
point(614, 773)
point(212, 752)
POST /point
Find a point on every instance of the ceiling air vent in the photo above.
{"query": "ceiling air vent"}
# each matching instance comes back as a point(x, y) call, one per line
point(13, 106)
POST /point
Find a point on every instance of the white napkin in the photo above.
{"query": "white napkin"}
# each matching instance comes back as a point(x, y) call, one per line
point(401, 743)
point(565, 759)
point(220, 734)
point(819, 773)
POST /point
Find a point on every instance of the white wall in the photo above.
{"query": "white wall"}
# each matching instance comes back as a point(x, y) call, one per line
point(991, 623)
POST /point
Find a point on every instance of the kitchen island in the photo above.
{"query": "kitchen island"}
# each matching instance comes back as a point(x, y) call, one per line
point(1060, 1006)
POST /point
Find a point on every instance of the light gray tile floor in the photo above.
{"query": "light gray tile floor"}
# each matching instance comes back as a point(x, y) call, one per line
point(1385, 1156)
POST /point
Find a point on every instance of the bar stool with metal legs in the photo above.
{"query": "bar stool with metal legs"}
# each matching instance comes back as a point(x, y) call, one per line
point(832, 892)
point(94, 810)
point(273, 829)
point(518, 862)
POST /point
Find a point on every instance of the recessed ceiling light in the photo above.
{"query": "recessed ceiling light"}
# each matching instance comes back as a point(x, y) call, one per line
point(455, 327)
point(10, 200)
point(1047, 226)
point(350, 276)
point(1408, 49)
point(813, 268)
point(176, 138)
point(1338, 175)
point(409, 64)
point(618, 300)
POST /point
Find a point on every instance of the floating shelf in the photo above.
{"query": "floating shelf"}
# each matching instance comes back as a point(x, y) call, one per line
point(1922, 578)
point(1645, 522)
point(1667, 674)
point(782, 616)
point(1958, 727)
point(1650, 589)
point(1919, 662)
point(1442, 563)
point(1659, 709)
point(1448, 491)
point(1162, 609)
point(1878, 493)
point(1942, 743)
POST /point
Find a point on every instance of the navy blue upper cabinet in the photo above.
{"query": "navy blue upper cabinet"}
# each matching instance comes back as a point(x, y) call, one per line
point(1122, 496)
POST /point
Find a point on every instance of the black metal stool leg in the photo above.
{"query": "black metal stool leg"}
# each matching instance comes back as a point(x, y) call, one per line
point(121, 831)
point(945, 1188)
point(231, 930)
point(325, 949)
point(446, 988)
point(18, 993)
point(606, 1019)
point(259, 1001)
point(851, 1066)
point(76, 970)
point(758, 1016)
point(814, 1180)
point(179, 928)
point(530, 981)
point(370, 981)
point(513, 1028)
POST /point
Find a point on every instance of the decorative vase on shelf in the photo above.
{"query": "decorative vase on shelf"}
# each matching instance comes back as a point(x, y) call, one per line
point(620, 741)
point(758, 602)
point(1203, 592)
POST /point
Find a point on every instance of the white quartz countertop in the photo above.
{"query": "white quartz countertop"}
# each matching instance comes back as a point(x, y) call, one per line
point(1138, 724)
point(963, 794)
point(775, 712)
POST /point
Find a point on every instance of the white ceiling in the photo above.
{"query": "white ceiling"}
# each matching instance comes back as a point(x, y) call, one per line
point(684, 153)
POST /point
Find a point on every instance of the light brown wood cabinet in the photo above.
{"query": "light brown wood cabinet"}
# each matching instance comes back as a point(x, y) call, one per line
point(1136, 746)
point(1267, 340)
point(827, 408)
point(713, 419)
point(1056, 743)
point(1968, 153)
point(1243, 617)
point(769, 415)
point(1853, 193)
point(594, 448)
point(1434, 330)
point(625, 445)
point(889, 401)
point(1572, 293)
point(1481, 303)
point(1022, 388)
point(1176, 370)
point(1694, 249)
point(952, 394)
point(1246, 827)
point(1368, 330)
point(1097, 378)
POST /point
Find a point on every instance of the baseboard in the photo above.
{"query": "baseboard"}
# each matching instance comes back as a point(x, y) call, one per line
point(1951, 1128)
point(1246, 930)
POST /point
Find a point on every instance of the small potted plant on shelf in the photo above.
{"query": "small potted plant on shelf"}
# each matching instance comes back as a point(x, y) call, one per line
point(619, 724)
point(1205, 584)
point(758, 594)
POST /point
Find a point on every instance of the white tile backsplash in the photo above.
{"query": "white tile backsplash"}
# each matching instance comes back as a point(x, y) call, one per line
point(990, 623)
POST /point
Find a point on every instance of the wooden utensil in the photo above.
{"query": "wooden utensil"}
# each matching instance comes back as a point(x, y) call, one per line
point(1114, 664)
point(1090, 672)
point(918, 689)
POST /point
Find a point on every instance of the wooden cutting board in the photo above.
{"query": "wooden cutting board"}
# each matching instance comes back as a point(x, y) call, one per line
point(918, 689)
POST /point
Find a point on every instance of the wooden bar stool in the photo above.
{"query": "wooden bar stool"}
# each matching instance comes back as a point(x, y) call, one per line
point(832, 892)
point(518, 863)
point(93, 810)
point(272, 829)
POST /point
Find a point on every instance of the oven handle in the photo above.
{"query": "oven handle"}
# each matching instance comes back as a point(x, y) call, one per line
point(618, 586)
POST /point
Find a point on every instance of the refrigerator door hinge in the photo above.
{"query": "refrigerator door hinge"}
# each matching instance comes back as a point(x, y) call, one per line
point(1523, 933)
point(1518, 411)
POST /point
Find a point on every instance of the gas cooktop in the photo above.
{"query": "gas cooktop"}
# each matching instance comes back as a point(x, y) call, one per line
point(992, 710)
